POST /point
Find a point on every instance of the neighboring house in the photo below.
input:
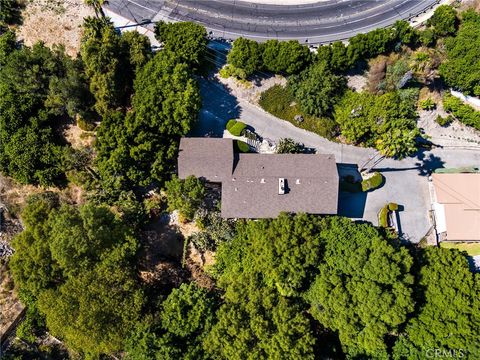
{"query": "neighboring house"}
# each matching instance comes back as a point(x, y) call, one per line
point(262, 185)
point(456, 204)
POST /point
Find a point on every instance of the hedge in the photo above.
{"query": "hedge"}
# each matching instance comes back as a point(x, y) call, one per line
point(235, 127)
point(383, 217)
point(372, 183)
point(242, 146)
point(463, 112)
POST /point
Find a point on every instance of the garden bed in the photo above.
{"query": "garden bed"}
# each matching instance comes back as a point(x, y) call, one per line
point(279, 102)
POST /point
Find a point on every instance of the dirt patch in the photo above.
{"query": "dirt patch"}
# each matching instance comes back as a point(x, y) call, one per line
point(357, 82)
point(77, 137)
point(251, 93)
point(54, 22)
point(10, 306)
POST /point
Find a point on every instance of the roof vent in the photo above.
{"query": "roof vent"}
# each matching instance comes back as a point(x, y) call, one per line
point(297, 182)
point(281, 186)
point(262, 181)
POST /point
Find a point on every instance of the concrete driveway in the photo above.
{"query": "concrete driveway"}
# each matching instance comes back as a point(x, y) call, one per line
point(406, 181)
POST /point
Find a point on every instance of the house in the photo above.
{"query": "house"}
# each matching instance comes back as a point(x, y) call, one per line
point(456, 204)
point(262, 185)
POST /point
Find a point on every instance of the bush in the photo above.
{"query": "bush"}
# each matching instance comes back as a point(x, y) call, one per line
point(235, 127)
point(373, 182)
point(463, 112)
point(444, 121)
point(85, 125)
point(428, 104)
point(230, 70)
point(393, 206)
point(242, 146)
point(383, 217)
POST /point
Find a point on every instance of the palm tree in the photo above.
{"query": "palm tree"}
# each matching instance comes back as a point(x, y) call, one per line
point(397, 143)
point(97, 6)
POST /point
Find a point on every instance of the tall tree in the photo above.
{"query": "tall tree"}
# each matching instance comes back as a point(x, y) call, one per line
point(317, 89)
point(246, 55)
point(186, 41)
point(364, 287)
point(448, 319)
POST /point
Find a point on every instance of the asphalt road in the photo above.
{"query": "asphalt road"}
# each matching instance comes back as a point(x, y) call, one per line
point(321, 22)
point(406, 181)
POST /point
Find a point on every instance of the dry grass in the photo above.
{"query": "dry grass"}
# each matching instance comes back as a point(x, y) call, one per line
point(472, 249)
point(54, 22)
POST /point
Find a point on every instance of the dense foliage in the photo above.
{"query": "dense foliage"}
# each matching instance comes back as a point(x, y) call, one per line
point(461, 70)
point(363, 289)
point(185, 40)
point(75, 266)
point(443, 20)
point(448, 317)
point(9, 11)
point(461, 111)
point(387, 122)
point(31, 106)
point(318, 89)
point(186, 196)
point(140, 148)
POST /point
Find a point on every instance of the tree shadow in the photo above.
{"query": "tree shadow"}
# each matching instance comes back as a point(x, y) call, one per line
point(218, 106)
point(427, 164)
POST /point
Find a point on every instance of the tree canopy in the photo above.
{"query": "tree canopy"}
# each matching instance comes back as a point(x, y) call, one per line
point(185, 195)
point(185, 40)
point(448, 317)
point(444, 20)
point(461, 70)
point(318, 89)
point(363, 289)
point(76, 266)
point(141, 147)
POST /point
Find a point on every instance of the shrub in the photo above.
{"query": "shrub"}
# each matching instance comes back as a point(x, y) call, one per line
point(236, 128)
point(444, 121)
point(242, 146)
point(393, 206)
point(383, 217)
point(463, 112)
point(428, 104)
point(230, 123)
point(230, 70)
point(373, 182)
point(85, 125)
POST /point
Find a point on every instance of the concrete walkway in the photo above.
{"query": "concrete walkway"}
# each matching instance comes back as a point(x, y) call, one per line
point(406, 180)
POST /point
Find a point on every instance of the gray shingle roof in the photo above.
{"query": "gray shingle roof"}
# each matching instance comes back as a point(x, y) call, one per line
point(210, 158)
point(250, 181)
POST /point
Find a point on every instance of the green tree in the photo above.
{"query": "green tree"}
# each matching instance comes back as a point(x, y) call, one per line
point(267, 261)
point(8, 43)
point(32, 266)
point(448, 318)
point(363, 289)
point(139, 47)
point(76, 267)
point(186, 316)
point(289, 57)
point(186, 196)
point(9, 11)
point(96, 309)
point(141, 148)
point(461, 69)
point(186, 41)
point(317, 89)
point(31, 153)
point(444, 20)
point(97, 6)
point(246, 55)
